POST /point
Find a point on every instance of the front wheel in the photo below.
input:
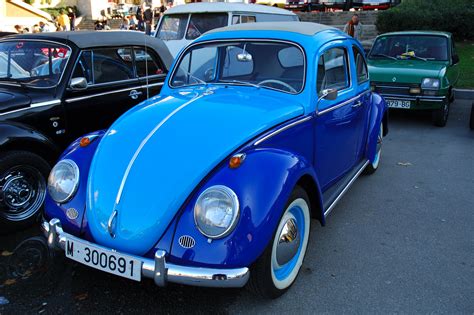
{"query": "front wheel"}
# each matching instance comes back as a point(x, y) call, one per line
point(22, 188)
point(440, 116)
point(276, 270)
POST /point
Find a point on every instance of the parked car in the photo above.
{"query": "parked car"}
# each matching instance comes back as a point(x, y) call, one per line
point(374, 4)
point(304, 5)
point(55, 87)
point(272, 3)
point(221, 173)
point(471, 120)
point(416, 70)
point(334, 4)
point(181, 24)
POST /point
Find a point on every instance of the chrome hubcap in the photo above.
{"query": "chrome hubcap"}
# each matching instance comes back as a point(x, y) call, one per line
point(22, 191)
point(288, 242)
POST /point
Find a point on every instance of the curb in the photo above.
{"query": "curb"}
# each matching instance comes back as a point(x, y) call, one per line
point(464, 94)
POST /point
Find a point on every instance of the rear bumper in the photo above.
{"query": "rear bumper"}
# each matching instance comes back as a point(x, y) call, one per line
point(161, 271)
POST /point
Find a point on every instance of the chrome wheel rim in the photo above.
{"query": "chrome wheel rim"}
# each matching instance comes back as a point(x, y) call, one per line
point(22, 192)
point(289, 244)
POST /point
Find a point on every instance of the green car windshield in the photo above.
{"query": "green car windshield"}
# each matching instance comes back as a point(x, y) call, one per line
point(425, 47)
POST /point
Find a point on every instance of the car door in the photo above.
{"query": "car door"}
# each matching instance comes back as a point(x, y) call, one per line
point(338, 121)
point(110, 87)
point(150, 70)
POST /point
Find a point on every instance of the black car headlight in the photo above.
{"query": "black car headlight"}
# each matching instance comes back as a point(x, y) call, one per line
point(63, 181)
point(216, 212)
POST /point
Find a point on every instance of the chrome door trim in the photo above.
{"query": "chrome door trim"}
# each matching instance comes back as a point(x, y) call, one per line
point(81, 98)
point(333, 204)
point(34, 105)
point(280, 130)
point(327, 110)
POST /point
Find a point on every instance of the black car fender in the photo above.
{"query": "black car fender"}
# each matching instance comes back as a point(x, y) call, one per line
point(15, 136)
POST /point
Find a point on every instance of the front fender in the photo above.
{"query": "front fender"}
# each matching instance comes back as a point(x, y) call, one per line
point(378, 114)
point(15, 136)
point(263, 184)
point(82, 156)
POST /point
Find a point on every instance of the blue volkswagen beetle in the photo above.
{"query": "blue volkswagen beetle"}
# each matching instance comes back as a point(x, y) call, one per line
point(259, 128)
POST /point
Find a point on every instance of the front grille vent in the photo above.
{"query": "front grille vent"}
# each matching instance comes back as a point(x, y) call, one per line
point(186, 241)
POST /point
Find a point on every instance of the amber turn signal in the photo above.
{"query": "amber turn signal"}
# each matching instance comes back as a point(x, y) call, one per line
point(236, 160)
point(85, 142)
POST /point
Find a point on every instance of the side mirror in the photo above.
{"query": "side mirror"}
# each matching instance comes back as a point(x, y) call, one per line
point(328, 94)
point(78, 83)
point(455, 59)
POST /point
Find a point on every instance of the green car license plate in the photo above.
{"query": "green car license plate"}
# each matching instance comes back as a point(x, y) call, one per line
point(399, 104)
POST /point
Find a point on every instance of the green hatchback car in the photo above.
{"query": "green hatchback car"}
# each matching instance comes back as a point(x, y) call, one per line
point(415, 70)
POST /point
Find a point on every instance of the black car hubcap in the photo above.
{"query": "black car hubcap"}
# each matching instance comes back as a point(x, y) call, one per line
point(22, 191)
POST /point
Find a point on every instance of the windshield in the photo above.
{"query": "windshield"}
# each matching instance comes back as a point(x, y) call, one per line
point(35, 63)
point(410, 47)
point(275, 65)
point(175, 26)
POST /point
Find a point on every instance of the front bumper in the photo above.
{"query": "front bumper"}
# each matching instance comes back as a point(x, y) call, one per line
point(419, 101)
point(161, 271)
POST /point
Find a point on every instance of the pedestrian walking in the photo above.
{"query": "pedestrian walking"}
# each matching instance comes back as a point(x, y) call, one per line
point(72, 19)
point(354, 27)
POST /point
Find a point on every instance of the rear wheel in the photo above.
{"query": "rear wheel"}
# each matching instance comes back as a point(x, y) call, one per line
point(372, 167)
point(22, 188)
point(276, 270)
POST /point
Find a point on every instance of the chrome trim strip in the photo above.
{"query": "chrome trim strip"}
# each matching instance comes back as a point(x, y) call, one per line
point(34, 105)
point(280, 130)
point(76, 99)
point(157, 268)
point(144, 142)
point(422, 98)
point(333, 204)
point(327, 110)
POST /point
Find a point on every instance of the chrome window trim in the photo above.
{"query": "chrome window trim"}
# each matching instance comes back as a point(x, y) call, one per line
point(262, 40)
point(349, 73)
point(334, 203)
point(45, 41)
point(281, 129)
point(33, 105)
point(344, 103)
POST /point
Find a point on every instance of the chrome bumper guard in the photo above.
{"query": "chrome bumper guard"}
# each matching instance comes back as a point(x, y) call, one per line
point(161, 271)
point(421, 98)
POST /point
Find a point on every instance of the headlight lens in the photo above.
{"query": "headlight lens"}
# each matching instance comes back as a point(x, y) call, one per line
point(63, 181)
point(216, 212)
point(430, 83)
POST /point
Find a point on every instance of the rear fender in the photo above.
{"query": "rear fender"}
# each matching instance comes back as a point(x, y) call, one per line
point(378, 114)
point(263, 184)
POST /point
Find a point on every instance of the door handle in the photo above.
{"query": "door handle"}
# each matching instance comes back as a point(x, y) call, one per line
point(357, 104)
point(134, 94)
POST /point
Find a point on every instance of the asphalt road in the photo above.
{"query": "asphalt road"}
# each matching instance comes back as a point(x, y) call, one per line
point(400, 241)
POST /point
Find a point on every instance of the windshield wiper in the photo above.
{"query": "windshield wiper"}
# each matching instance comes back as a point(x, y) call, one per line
point(241, 82)
point(200, 81)
point(383, 55)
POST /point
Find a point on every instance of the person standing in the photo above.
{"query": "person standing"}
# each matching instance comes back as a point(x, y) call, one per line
point(72, 19)
point(148, 19)
point(140, 12)
point(354, 27)
point(63, 21)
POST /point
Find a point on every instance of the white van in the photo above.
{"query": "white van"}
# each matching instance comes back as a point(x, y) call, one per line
point(182, 24)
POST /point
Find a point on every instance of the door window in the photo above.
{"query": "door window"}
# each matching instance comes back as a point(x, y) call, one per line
point(111, 65)
point(361, 66)
point(203, 22)
point(147, 63)
point(333, 70)
point(83, 67)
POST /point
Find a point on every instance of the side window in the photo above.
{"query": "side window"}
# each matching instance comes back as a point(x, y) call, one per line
point(248, 19)
point(361, 66)
point(236, 19)
point(83, 67)
point(147, 63)
point(333, 70)
point(112, 64)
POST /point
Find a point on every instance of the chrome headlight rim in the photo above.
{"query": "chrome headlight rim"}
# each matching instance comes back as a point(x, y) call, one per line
point(429, 83)
point(236, 213)
point(77, 174)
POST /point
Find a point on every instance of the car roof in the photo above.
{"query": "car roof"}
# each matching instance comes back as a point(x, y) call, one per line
point(304, 28)
point(203, 7)
point(436, 33)
point(96, 39)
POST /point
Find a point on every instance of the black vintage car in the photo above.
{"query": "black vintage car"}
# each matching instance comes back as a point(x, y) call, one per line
point(55, 87)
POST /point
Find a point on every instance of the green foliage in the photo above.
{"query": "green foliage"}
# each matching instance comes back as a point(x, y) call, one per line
point(455, 16)
point(58, 10)
point(465, 51)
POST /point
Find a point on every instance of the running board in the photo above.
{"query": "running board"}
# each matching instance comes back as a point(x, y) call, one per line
point(337, 194)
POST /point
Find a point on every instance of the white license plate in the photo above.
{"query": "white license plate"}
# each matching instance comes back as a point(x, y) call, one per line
point(293, 6)
point(103, 259)
point(398, 104)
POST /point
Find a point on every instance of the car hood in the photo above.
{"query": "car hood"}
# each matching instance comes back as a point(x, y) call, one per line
point(12, 100)
point(404, 71)
point(158, 153)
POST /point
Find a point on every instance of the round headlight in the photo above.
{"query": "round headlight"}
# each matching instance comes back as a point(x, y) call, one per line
point(216, 211)
point(429, 83)
point(63, 181)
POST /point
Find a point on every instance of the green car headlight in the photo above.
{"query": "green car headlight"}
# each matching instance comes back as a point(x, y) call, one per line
point(430, 83)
